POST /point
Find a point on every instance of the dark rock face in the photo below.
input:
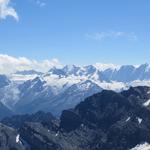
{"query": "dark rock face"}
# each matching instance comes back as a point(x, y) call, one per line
point(121, 119)
point(39, 137)
point(102, 110)
point(73, 118)
point(104, 121)
point(8, 139)
point(18, 120)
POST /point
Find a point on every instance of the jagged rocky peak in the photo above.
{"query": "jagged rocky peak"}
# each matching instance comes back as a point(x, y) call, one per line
point(122, 117)
point(17, 121)
point(105, 72)
point(107, 120)
point(103, 109)
point(57, 71)
point(66, 70)
point(99, 110)
point(144, 66)
point(90, 69)
point(70, 120)
point(39, 80)
point(71, 69)
point(142, 92)
point(36, 84)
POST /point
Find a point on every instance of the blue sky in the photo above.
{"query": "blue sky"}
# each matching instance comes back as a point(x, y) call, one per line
point(78, 31)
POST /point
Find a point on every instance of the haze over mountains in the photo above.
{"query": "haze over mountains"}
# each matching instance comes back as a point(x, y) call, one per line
point(63, 87)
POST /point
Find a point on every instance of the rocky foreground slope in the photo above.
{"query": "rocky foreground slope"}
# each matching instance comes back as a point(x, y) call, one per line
point(9, 139)
point(104, 121)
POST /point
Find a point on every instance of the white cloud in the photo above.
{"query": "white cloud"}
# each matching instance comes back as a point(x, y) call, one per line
point(9, 64)
point(40, 3)
point(112, 35)
point(6, 10)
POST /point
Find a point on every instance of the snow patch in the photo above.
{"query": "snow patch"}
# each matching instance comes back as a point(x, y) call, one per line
point(18, 139)
point(116, 86)
point(144, 146)
point(128, 119)
point(57, 134)
point(147, 103)
point(82, 125)
point(60, 82)
point(139, 120)
point(140, 83)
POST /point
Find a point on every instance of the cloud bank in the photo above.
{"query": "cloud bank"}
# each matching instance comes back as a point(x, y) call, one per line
point(7, 10)
point(9, 64)
point(112, 35)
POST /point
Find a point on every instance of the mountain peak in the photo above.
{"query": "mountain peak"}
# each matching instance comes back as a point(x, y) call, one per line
point(29, 72)
point(103, 67)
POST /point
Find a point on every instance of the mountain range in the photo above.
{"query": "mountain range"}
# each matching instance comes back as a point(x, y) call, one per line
point(104, 121)
point(60, 88)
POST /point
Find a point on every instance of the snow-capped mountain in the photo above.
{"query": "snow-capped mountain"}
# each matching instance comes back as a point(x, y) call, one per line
point(29, 72)
point(63, 87)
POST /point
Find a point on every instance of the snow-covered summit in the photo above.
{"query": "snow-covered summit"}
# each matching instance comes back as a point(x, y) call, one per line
point(31, 90)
